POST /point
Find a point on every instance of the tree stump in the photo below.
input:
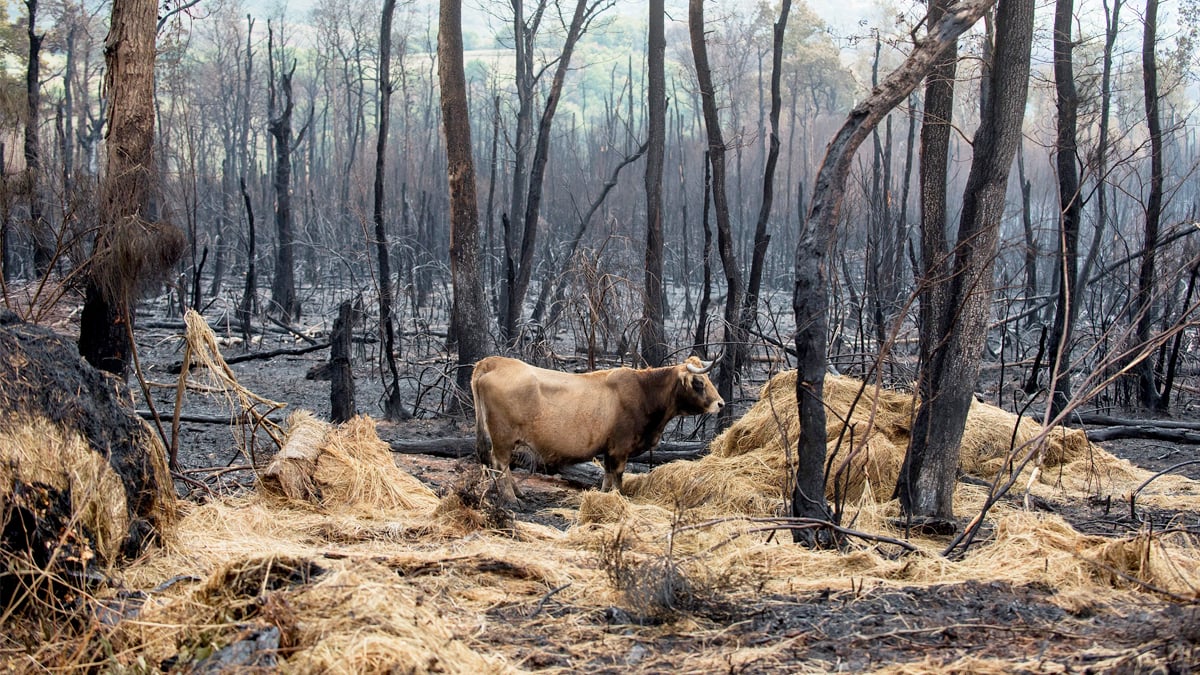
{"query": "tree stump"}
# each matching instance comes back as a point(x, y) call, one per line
point(84, 481)
point(341, 390)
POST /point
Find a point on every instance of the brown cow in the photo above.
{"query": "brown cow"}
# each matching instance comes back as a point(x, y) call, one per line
point(566, 418)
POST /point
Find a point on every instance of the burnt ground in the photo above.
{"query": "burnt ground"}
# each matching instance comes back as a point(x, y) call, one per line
point(835, 630)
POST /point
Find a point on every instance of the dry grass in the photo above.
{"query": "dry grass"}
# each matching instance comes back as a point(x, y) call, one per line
point(370, 571)
point(38, 452)
point(868, 432)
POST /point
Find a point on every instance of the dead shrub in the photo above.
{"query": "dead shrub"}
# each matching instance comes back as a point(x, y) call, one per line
point(654, 587)
point(474, 502)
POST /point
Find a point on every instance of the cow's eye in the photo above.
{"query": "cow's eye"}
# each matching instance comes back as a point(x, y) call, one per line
point(697, 384)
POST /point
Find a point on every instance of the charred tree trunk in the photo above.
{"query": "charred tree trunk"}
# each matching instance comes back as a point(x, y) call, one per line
point(490, 215)
point(67, 108)
point(947, 382)
point(470, 306)
point(341, 374)
point(1070, 209)
point(393, 407)
point(1173, 359)
point(249, 291)
point(761, 238)
point(936, 128)
point(701, 338)
point(810, 298)
point(43, 247)
point(733, 353)
point(1031, 243)
point(1144, 304)
point(537, 169)
point(283, 287)
point(1111, 20)
point(128, 250)
point(523, 55)
point(5, 223)
point(654, 348)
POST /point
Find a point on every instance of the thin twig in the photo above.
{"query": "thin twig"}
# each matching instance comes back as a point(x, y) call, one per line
point(791, 523)
point(1167, 470)
point(537, 610)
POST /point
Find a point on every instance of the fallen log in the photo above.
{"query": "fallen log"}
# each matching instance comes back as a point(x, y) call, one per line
point(1098, 420)
point(464, 446)
point(240, 418)
point(255, 356)
point(1149, 432)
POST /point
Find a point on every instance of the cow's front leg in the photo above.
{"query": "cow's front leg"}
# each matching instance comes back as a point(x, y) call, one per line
point(614, 471)
point(508, 487)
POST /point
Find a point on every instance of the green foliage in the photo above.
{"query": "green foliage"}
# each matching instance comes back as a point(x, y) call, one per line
point(12, 60)
point(812, 63)
point(1178, 61)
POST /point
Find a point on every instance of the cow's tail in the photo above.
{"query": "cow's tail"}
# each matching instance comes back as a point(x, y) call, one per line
point(483, 442)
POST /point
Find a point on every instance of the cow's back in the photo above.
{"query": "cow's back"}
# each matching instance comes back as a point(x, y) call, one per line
point(562, 417)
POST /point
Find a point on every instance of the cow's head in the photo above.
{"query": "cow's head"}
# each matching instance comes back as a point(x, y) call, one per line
point(697, 395)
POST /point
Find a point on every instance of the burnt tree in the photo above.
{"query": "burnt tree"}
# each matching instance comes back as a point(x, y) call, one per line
point(810, 297)
point(283, 286)
point(761, 238)
point(469, 308)
point(1144, 302)
point(43, 248)
point(128, 249)
point(393, 407)
point(947, 382)
point(654, 348)
point(731, 356)
point(519, 251)
point(1070, 209)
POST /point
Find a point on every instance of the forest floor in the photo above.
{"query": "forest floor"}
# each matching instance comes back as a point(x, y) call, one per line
point(907, 629)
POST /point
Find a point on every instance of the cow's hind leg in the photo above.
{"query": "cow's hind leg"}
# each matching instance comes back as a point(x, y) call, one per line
point(483, 448)
point(501, 455)
point(614, 473)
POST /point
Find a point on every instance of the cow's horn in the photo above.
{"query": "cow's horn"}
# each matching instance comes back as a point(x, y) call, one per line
point(705, 366)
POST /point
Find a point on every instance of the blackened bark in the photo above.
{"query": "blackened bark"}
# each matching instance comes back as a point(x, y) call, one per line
point(1144, 303)
point(1031, 244)
point(936, 128)
point(927, 477)
point(393, 407)
point(1070, 209)
point(43, 247)
point(341, 381)
point(735, 344)
point(5, 223)
point(810, 298)
point(654, 348)
point(249, 290)
point(701, 338)
point(761, 238)
point(469, 307)
point(125, 191)
point(1173, 359)
point(1111, 19)
point(283, 287)
point(490, 214)
point(67, 110)
point(537, 170)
